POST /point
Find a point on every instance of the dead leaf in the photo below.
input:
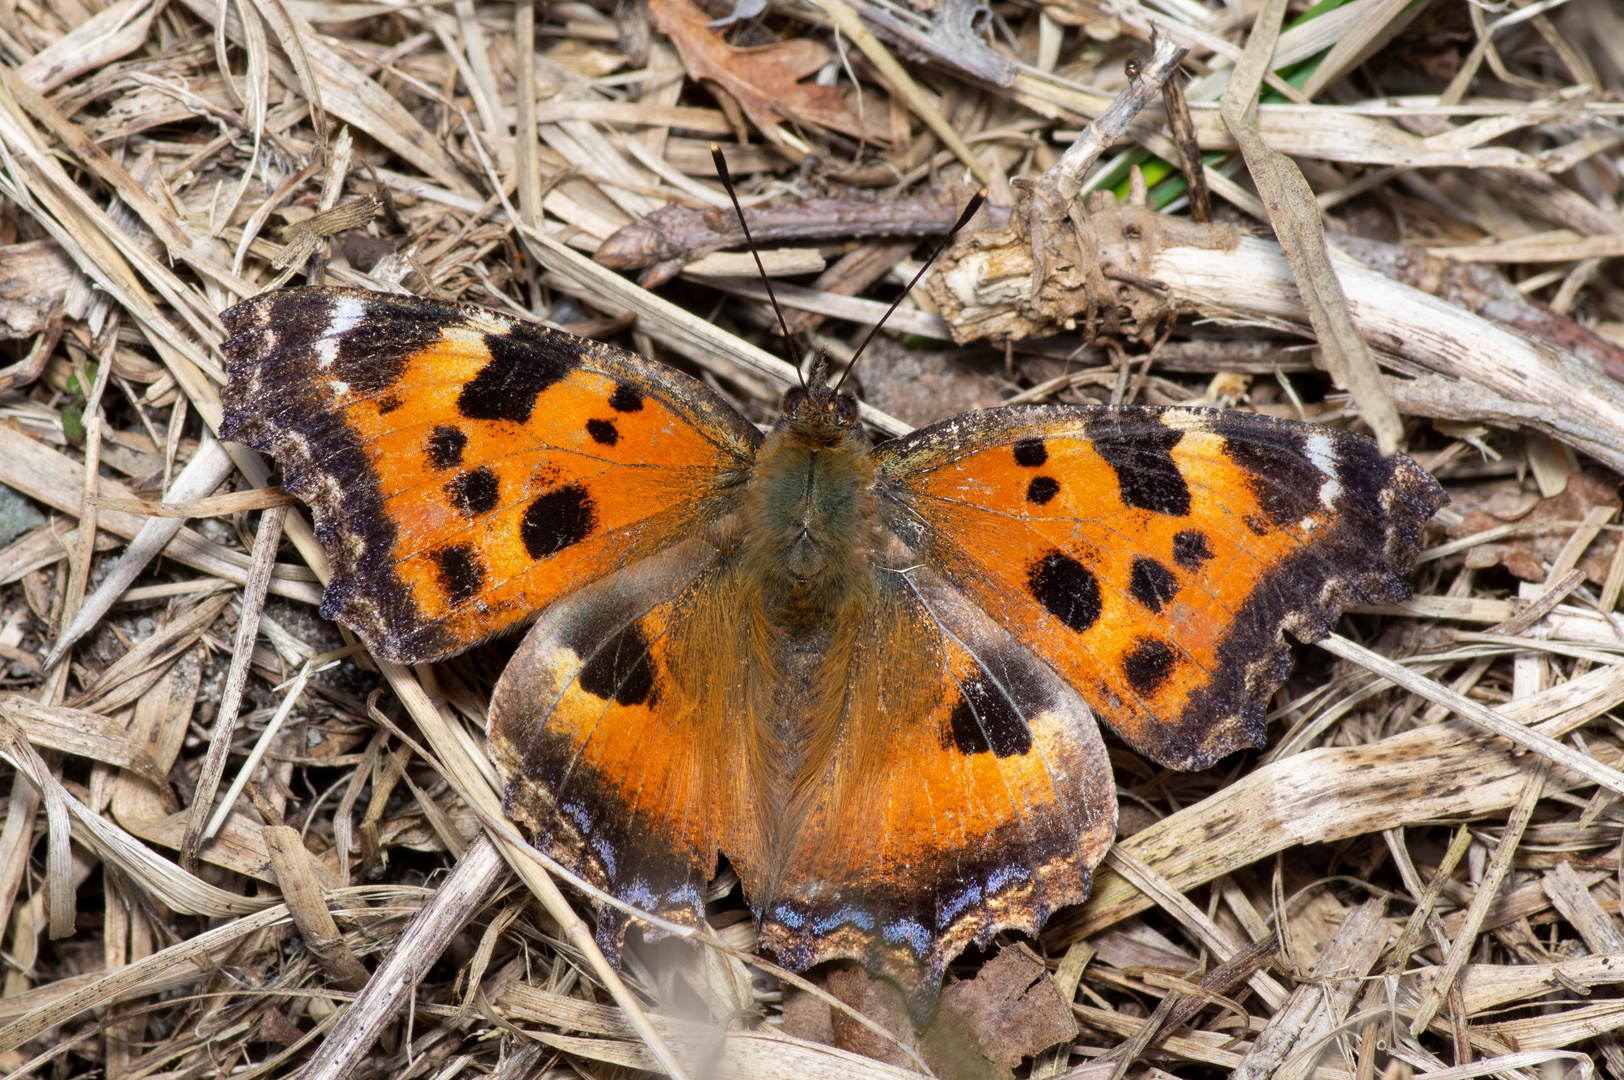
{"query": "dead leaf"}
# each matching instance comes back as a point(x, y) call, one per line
point(1012, 1009)
point(274, 1027)
point(766, 80)
point(807, 1016)
point(881, 1001)
point(1525, 556)
point(37, 278)
point(1495, 502)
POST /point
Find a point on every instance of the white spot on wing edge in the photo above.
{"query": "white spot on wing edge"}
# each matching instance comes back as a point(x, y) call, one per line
point(489, 322)
point(1186, 420)
point(346, 314)
point(1322, 452)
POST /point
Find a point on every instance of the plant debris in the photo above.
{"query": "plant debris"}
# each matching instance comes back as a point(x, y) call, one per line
point(234, 844)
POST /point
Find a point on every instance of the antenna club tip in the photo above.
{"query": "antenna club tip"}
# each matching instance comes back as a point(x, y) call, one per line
point(981, 195)
point(715, 148)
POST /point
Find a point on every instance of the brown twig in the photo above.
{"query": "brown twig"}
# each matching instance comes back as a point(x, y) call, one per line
point(1195, 172)
point(457, 898)
point(1065, 178)
point(665, 241)
point(290, 862)
point(1296, 220)
point(225, 725)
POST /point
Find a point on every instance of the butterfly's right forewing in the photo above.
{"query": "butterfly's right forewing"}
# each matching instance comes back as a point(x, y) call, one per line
point(1153, 557)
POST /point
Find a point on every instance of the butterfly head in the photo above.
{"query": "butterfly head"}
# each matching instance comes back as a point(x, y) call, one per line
point(819, 407)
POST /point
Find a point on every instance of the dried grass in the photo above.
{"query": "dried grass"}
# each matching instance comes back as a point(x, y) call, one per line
point(1435, 898)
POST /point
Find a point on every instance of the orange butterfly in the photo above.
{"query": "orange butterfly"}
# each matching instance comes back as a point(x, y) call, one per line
point(867, 674)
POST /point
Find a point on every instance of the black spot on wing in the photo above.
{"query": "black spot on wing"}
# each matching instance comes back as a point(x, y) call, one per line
point(461, 573)
point(445, 447)
point(1149, 664)
point(389, 403)
point(1284, 481)
point(1151, 583)
point(557, 520)
point(523, 363)
point(1191, 550)
point(984, 719)
point(474, 493)
point(603, 432)
point(1042, 489)
point(1140, 451)
point(1066, 588)
point(1031, 453)
point(626, 399)
point(619, 669)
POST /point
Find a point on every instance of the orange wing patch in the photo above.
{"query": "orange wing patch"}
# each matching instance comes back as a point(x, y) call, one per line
point(465, 469)
point(1153, 557)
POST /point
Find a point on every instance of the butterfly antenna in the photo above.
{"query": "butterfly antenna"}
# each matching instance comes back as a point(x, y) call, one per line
point(964, 219)
point(727, 182)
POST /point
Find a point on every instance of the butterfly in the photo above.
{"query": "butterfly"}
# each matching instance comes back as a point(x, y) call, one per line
point(866, 673)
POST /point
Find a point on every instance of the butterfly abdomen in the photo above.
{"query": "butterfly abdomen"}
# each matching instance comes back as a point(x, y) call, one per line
point(810, 526)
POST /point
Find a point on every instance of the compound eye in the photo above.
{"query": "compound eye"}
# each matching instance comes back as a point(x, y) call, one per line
point(846, 407)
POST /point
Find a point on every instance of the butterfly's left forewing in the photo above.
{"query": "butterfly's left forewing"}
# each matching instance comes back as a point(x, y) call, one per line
point(1152, 557)
point(466, 469)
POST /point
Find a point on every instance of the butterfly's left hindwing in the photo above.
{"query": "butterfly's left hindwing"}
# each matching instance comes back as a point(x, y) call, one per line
point(620, 726)
point(465, 469)
point(1153, 556)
